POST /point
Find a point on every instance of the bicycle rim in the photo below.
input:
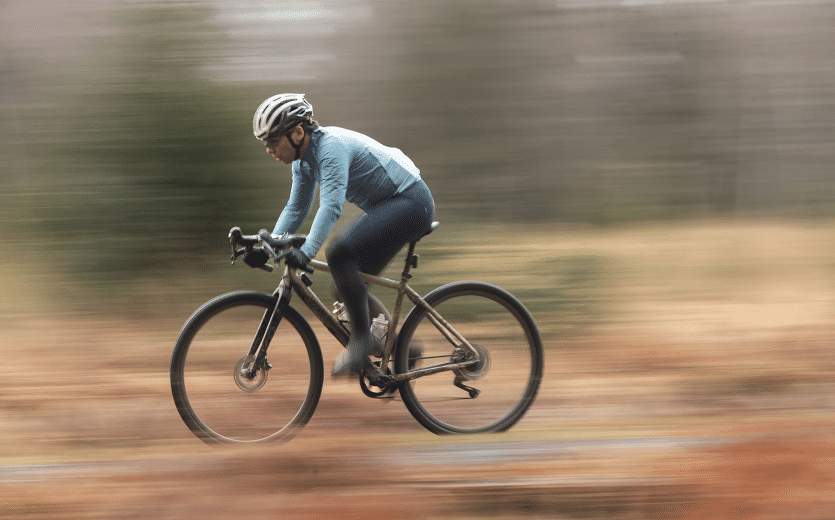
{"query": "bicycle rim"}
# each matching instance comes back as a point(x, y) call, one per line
point(497, 324)
point(218, 404)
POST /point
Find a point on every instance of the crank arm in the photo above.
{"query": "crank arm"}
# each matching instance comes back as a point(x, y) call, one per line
point(459, 382)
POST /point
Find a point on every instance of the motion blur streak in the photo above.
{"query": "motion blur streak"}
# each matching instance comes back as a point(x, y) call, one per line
point(652, 178)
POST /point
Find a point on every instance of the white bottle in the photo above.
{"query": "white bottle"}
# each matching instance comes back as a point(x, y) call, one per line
point(379, 327)
point(341, 312)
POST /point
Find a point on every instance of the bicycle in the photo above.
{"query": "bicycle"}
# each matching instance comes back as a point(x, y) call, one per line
point(463, 332)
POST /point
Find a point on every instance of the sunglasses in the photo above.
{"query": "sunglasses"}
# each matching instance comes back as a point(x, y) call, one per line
point(272, 142)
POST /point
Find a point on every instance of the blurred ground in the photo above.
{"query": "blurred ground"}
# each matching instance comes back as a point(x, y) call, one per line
point(689, 370)
point(689, 374)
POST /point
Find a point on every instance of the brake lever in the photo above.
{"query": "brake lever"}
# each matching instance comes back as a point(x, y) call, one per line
point(282, 242)
point(235, 236)
point(286, 242)
point(236, 253)
point(278, 257)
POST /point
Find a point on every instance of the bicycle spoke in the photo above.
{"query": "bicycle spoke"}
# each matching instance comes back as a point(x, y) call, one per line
point(219, 398)
point(494, 390)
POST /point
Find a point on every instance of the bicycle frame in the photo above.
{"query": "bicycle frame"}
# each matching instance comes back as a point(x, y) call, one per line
point(495, 321)
point(300, 284)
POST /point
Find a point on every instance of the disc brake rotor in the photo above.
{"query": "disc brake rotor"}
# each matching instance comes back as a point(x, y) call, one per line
point(243, 382)
point(476, 370)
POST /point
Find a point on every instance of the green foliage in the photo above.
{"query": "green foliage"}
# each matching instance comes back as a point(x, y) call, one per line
point(158, 159)
point(127, 154)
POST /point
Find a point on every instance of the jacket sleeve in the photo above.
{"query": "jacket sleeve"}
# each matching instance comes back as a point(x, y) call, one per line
point(333, 167)
point(298, 206)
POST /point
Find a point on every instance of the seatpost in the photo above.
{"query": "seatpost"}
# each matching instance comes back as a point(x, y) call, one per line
point(411, 261)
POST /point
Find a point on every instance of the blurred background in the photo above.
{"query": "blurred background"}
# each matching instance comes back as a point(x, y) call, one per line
point(653, 178)
point(126, 135)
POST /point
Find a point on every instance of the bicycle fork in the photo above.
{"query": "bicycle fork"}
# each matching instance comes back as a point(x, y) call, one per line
point(266, 331)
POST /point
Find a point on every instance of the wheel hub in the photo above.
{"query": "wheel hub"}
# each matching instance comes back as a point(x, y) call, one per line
point(476, 370)
point(245, 383)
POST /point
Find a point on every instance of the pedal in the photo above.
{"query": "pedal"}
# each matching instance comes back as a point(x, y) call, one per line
point(377, 379)
point(370, 377)
point(470, 390)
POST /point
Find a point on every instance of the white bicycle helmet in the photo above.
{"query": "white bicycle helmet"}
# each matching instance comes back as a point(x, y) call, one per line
point(279, 114)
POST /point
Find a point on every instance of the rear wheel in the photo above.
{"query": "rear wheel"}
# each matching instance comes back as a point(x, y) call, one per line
point(493, 392)
point(215, 396)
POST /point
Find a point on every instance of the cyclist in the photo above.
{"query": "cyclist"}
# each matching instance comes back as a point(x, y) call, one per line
point(350, 166)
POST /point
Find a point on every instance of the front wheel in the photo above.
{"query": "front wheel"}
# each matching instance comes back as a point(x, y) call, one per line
point(218, 400)
point(489, 395)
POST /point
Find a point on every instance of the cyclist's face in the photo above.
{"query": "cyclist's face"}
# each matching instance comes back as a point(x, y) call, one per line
point(280, 148)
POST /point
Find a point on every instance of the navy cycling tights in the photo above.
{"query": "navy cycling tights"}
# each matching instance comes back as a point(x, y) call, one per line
point(371, 243)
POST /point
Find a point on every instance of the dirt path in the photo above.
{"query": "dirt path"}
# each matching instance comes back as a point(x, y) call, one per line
point(348, 465)
point(704, 393)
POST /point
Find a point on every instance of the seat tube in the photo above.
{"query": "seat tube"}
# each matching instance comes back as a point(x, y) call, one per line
point(398, 304)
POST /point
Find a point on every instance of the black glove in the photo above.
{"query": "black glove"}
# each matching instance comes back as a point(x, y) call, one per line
point(295, 258)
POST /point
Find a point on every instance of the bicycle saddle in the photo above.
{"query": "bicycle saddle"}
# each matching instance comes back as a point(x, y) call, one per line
point(432, 228)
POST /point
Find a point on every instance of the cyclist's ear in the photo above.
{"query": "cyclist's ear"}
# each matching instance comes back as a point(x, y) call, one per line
point(296, 135)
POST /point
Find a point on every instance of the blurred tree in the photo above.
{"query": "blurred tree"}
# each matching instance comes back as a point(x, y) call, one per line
point(515, 111)
point(157, 148)
point(466, 74)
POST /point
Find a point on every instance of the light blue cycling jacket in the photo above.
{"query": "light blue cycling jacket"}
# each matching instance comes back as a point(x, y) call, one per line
point(348, 166)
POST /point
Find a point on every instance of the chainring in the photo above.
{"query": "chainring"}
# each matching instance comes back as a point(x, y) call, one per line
point(374, 391)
